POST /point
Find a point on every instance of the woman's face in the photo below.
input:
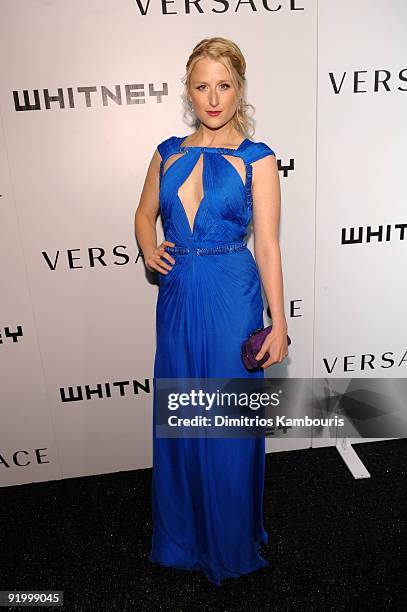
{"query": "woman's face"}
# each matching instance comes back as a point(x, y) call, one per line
point(212, 89)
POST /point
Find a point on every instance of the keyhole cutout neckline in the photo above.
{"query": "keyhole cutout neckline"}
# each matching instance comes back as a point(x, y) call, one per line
point(185, 148)
point(202, 201)
point(192, 229)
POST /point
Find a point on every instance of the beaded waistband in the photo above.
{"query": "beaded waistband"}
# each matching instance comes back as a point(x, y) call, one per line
point(217, 250)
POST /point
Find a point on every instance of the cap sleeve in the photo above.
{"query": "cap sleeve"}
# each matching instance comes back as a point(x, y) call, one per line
point(167, 147)
point(256, 151)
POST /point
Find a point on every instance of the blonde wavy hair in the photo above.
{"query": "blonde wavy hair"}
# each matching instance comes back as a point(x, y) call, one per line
point(227, 52)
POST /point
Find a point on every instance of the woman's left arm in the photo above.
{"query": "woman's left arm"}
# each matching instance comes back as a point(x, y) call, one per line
point(266, 196)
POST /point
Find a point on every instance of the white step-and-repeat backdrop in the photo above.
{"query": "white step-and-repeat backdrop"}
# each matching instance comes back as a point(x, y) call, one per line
point(88, 90)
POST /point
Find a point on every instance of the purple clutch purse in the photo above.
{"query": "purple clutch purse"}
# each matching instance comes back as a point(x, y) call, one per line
point(252, 345)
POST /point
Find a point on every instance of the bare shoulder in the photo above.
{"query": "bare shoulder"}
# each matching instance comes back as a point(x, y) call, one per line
point(265, 169)
point(265, 178)
point(156, 158)
point(149, 200)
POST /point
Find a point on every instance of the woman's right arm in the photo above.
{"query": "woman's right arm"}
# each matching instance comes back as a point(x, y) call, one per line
point(146, 218)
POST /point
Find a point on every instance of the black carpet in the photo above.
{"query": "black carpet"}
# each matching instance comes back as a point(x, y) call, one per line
point(335, 543)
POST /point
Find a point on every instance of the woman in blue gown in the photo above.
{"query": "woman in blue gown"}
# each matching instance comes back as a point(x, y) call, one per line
point(207, 493)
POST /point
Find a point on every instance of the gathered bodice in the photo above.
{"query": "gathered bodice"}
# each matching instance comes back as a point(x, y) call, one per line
point(205, 182)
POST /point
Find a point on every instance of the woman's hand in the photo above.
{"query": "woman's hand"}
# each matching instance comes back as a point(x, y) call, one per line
point(154, 261)
point(276, 344)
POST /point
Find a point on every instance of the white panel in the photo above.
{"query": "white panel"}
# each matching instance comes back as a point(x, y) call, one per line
point(359, 316)
point(361, 160)
point(28, 451)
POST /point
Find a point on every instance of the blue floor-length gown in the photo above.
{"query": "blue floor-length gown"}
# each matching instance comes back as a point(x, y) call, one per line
point(207, 493)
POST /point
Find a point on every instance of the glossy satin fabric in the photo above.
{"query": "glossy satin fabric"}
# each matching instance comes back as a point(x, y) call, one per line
point(207, 494)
